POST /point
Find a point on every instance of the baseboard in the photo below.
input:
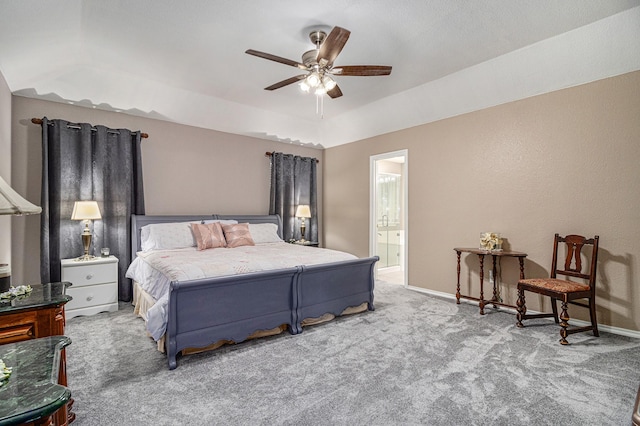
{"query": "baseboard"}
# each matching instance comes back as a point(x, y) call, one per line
point(602, 327)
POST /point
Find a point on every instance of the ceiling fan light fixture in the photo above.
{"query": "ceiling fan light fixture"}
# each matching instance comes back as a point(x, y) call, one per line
point(320, 90)
point(328, 83)
point(313, 79)
point(304, 86)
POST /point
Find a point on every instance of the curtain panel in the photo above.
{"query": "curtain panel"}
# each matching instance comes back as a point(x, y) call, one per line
point(293, 182)
point(83, 162)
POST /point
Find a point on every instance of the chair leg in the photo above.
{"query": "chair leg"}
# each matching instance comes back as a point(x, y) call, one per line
point(521, 307)
point(564, 324)
point(554, 306)
point(592, 311)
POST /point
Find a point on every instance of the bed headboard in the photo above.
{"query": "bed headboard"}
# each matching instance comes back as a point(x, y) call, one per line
point(138, 221)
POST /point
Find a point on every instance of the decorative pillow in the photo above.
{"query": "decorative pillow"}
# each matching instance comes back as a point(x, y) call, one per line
point(264, 233)
point(238, 235)
point(208, 235)
point(170, 236)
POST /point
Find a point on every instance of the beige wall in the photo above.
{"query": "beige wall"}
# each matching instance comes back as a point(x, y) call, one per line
point(5, 165)
point(567, 162)
point(186, 170)
point(562, 162)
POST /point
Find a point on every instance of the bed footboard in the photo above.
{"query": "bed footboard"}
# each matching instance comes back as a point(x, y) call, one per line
point(202, 312)
point(205, 311)
point(333, 287)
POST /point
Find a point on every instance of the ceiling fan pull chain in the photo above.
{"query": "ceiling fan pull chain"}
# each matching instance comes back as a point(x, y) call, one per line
point(320, 105)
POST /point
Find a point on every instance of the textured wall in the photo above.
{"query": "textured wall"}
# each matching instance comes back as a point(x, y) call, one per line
point(186, 169)
point(565, 162)
point(5, 165)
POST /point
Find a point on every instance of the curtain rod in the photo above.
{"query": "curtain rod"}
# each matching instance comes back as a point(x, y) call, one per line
point(39, 121)
point(269, 154)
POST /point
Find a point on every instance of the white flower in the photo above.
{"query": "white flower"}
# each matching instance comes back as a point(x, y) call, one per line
point(21, 290)
point(490, 240)
point(5, 372)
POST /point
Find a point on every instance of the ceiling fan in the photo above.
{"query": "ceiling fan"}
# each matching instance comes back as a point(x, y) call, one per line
point(318, 64)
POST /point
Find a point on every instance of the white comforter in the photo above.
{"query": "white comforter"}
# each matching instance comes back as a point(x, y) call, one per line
point(154, 270)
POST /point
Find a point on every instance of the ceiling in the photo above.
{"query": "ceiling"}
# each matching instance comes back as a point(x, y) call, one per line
point(184, 61)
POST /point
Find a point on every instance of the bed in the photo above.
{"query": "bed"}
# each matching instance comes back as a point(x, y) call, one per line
point(247, 298)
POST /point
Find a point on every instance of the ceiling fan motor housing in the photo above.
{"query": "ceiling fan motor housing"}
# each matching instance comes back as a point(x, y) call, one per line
point(310, 58)
point(317, 37)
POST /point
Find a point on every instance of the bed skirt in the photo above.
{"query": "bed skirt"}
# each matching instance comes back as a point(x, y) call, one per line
point(143, 301)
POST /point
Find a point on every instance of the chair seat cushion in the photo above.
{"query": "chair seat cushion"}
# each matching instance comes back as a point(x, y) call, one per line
point(554, 284)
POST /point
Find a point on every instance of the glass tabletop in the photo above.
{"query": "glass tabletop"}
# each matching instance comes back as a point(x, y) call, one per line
point(42, 295)
point(32, 390)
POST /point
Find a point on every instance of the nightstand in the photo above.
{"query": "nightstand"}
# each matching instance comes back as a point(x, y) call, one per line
point(94, 285)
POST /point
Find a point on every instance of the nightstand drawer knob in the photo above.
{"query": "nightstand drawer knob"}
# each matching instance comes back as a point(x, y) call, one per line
point(89, 298)
point(89, 276)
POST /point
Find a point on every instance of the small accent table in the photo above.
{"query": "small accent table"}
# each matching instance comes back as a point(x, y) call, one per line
point(31, 395)
point(481, 254)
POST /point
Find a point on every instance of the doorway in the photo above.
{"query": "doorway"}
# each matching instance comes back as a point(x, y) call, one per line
point(388, 212)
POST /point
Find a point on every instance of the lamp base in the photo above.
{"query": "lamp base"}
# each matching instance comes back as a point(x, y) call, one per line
point(86, 243)
point(85, 257)
point(302, 229)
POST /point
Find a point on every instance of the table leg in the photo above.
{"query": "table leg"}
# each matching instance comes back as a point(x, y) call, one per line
point(495, 280)
point(458, 284)
point(481, 259)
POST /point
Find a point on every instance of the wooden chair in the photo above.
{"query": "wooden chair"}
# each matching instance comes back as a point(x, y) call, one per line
point(565, 290)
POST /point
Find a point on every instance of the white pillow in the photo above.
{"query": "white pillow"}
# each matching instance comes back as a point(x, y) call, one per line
point(170, 236)
point(264, 233)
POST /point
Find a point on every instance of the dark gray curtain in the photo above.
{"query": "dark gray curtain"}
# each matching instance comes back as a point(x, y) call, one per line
point(83, 162)
point(293, 182)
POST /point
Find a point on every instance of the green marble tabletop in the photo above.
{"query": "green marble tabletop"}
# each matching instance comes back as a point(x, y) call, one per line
point(32, 391)
point(42, 295)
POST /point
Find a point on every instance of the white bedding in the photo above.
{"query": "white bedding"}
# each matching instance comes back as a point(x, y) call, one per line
point(155, 270)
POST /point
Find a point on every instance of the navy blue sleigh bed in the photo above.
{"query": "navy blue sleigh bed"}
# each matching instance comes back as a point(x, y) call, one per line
point(204, 311)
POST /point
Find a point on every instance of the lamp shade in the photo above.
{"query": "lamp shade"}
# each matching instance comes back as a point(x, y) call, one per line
point(303, 210)
point(86, 210)
point(12, 203)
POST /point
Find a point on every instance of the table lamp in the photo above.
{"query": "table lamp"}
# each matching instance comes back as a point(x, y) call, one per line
point(303, 211)
point(11, 203)
point(87, 211)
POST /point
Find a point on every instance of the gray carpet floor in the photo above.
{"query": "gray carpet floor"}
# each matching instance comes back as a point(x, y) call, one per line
point(415, 360)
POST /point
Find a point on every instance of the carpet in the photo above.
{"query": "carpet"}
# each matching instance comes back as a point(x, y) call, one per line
point(416, 360)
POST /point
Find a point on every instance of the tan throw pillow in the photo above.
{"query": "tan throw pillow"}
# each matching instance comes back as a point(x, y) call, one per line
point(208, 235)
point(238, 235)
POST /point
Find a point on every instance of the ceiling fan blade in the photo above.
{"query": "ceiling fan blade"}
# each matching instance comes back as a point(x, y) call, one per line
point(275, 58)
point(332, 46)
point(285, 82)
point(335, 92)
point(362, 70)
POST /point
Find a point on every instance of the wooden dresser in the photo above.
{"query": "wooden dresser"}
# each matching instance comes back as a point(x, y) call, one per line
point(40, 314)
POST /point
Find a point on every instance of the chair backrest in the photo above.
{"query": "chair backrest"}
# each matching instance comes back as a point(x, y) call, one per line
point(572, 266)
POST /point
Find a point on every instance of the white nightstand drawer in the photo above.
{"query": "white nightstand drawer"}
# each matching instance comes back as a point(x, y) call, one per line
point(89, 274)
point(100, 294)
